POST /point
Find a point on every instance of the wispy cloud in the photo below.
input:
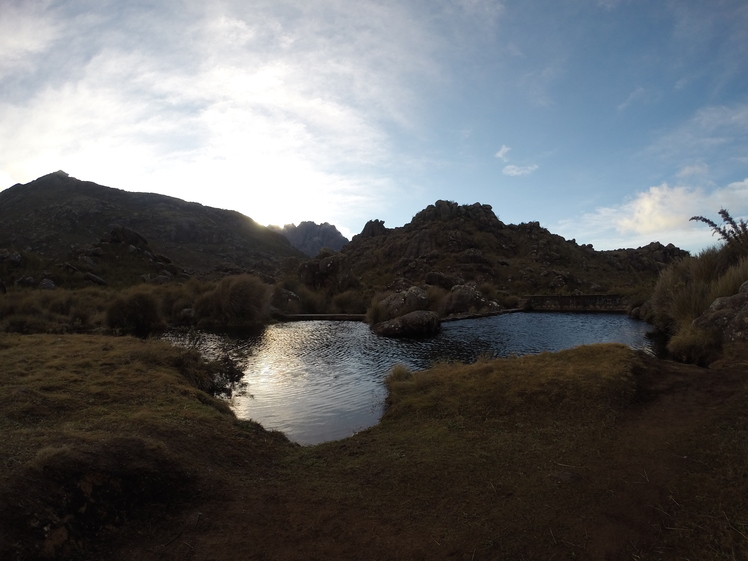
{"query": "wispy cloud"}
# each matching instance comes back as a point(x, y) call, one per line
point(639, 95)
point(515, 171)
point(503, 151)
point(693, 170)
point(719, 133)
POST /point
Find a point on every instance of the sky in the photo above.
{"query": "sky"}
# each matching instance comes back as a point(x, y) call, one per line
point(608, 121)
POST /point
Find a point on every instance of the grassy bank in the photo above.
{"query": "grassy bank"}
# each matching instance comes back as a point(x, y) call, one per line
point(111, 451)
point(103, 435)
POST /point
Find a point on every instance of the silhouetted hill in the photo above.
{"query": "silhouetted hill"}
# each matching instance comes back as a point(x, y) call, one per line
point(310, 237)
point(56, 214)
point(447, 244)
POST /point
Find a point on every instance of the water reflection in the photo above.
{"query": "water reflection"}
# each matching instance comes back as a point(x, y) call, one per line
point(322, 380)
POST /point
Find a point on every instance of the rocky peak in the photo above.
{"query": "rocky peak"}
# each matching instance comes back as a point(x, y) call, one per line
point(310, 237)
point(481, 215)
point(372, 229)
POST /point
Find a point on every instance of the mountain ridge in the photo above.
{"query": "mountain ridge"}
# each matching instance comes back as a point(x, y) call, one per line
point(56, 212)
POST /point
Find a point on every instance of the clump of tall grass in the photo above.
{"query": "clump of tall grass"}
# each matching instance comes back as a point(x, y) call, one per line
point(236, 301)
point(134, 313)
point(686, 289)
point(349, 302)
point(56, 311)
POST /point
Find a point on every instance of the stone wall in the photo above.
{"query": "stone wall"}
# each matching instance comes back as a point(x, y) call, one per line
point(579, 303)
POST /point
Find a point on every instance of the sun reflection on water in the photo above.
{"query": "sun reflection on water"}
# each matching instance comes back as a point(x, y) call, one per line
point(322, 380)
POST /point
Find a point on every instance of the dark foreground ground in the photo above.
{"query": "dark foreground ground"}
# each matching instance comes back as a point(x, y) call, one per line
point(110, 452)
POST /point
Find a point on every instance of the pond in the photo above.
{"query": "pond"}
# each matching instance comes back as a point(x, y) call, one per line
point(323, 380)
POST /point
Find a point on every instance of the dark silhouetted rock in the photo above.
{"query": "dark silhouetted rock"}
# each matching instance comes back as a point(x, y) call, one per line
point(124, 235)
point(447, 244)
point(50, 215)
point(414, 324)
point(47, 284)
point(12, 257)
point(372, 229)
point(311, 237)
point(95, 279)
point(436, 278)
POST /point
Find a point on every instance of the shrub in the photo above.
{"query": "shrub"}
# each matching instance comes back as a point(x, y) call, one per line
point(349, 302)
point(695, 345)
point(312, 301)
point(236, 300)
point(135, 313)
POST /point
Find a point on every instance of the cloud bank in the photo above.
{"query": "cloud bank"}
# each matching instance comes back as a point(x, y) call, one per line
point(661, 213)
point(282, 109)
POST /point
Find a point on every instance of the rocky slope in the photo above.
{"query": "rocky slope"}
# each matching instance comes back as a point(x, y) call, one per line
point(310, 237)
point(57, 214)
point(447, 244)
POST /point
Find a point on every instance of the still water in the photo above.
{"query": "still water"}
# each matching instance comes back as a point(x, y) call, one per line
point(323, 380)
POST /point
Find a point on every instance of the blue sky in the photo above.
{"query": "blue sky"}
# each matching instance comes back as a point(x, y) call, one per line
point(610, 121)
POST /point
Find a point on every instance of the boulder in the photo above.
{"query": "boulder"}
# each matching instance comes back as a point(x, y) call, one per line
point(12, 257)
point(404, 302)
point(464, 298)
point(436, 278)
point(94, 279)
point(124, 235)
point(414, 324)
point(727, 315)
point(400, 284)
point(47, 284)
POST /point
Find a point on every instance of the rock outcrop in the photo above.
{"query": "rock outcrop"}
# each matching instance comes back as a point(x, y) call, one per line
point(465, 298)
point(413, 324)
point(728, 316)
point(447, 244)
point(310, 237)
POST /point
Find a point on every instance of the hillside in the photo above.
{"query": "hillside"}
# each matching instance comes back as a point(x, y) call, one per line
point(447, 244)
point(56, 213)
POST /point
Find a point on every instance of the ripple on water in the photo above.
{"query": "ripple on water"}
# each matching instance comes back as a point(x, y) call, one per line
point(322, 380)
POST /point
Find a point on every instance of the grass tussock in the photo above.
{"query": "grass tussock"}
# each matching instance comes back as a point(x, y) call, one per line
point(685, 290)
point(138, 310)
point(235, 301)
point(527, 385)
point(58, 311)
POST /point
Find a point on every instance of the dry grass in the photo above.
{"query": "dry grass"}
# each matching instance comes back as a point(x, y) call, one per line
point(111, 452)
point(140, 309)
point(685, 290)
point(521, 386)
point(98, 431)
